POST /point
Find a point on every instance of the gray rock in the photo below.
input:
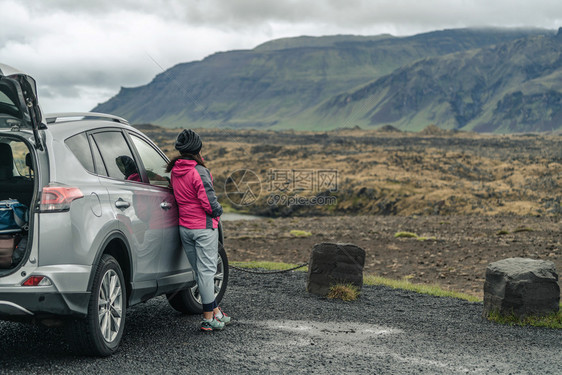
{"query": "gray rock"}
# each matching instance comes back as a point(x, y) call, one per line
point(521, 286)
point(333, 263)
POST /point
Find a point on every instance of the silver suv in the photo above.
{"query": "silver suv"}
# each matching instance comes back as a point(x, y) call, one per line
point(102, 233)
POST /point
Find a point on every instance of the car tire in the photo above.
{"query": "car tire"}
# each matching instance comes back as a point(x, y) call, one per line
point(188, 301)
point(101, 331)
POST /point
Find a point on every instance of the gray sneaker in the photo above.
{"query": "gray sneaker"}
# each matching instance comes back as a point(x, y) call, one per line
point(213, 325)
point(225, 318)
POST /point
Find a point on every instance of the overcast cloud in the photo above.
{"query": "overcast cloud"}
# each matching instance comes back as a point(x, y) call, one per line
point(82, 52)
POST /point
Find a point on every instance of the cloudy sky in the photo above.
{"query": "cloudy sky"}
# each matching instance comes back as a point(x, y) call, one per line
point(82, 52)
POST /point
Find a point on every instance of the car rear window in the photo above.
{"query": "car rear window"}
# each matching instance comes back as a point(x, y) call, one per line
point(5, 100)
point(7, 105)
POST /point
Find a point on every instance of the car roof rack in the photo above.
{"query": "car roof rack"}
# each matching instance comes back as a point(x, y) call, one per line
point(52, 118)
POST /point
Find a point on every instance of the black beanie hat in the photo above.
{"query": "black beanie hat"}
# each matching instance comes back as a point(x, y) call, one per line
point(188, 142)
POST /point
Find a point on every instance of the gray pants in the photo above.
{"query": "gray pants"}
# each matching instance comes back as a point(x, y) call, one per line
point(202, 249)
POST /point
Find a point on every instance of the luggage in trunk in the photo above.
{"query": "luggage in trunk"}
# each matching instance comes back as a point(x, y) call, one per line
point(8, 244)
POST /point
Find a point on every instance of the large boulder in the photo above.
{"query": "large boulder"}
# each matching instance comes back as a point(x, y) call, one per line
point(334, 263)
point(521, 286)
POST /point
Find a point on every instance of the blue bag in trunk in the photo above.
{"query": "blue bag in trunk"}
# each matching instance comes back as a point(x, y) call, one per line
point(13, 215)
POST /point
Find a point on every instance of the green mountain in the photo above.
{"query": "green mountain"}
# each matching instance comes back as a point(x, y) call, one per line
point(511, 87)
point(442, 77)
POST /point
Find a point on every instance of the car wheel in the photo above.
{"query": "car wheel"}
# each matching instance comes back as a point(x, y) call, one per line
point(101, 331)
point(188, 301)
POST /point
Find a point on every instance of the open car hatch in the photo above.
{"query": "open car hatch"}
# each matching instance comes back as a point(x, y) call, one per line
point(19, 107)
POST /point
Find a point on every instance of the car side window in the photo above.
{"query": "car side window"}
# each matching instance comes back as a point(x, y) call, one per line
point(98, 161)
point(80, 147)
point(117, 157)
point(153, 162)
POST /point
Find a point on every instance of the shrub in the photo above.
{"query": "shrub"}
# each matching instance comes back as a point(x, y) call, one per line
point(345, 292)
point(300, 233)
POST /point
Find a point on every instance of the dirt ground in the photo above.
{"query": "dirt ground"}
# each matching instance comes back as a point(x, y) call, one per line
point(454, 253)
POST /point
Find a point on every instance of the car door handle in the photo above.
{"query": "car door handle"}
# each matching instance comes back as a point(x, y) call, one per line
point(165, 205)
point(121, 204)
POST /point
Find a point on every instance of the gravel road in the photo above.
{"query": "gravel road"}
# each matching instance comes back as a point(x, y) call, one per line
point(280, 328)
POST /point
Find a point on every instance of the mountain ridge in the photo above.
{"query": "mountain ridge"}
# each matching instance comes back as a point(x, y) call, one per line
point(486, 90)
point(290, 83)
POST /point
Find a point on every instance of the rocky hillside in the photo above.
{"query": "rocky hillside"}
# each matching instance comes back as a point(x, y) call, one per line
point(484, 79)
point(511, 87)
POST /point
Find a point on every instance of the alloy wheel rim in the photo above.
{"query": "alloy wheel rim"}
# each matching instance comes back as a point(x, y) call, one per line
point(110, 306)
point(219, 277)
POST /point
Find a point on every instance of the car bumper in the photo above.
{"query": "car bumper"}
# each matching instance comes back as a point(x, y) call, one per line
point(18, 306)
point(66, 296)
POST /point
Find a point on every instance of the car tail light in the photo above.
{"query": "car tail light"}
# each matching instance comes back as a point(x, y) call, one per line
point(56, 198)
point(37, 281)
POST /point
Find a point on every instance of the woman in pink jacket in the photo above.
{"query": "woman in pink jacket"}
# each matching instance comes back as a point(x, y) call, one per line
point(199, 212)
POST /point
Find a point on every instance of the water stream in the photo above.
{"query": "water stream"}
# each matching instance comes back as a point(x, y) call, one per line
point(230, 216)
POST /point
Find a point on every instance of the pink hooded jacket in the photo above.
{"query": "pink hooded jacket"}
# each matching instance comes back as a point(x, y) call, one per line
point(197, 201)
